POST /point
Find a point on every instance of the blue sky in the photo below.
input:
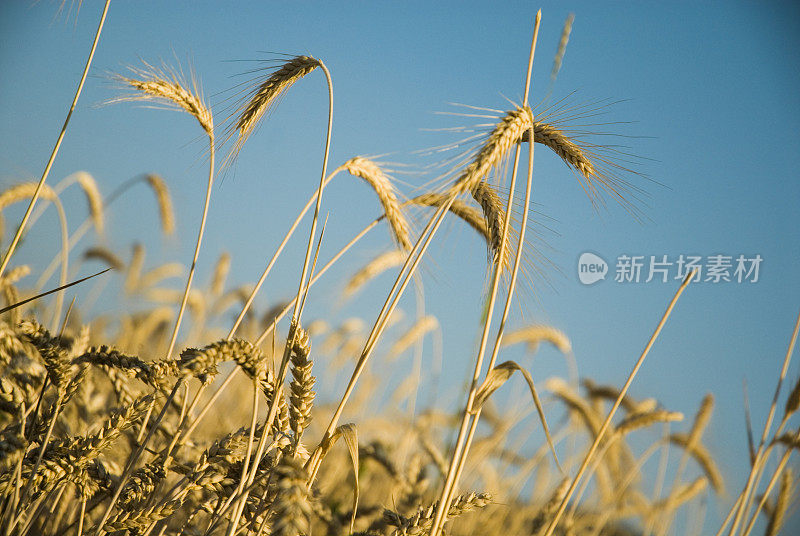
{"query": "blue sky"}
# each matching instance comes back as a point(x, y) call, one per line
point(709, 103)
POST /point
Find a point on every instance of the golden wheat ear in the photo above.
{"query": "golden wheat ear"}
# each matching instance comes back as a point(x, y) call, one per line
point(382, 184)
point(259, 99)
point(492, 153)
point(168, 86)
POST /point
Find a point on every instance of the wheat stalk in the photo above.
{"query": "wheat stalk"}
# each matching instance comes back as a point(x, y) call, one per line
point(493, 158)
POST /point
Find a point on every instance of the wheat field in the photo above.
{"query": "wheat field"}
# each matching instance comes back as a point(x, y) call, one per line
point(196, 405)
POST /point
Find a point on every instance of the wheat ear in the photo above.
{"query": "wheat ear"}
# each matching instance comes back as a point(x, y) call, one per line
point(533, 335)
point(167, 86)
point(165, 211)
point(495, 216)
point(301, 388)
point(562, 47)
point(570, 152)
point(263, 96)
point(372, 269)
point(471, 216)
point(380, 182)
point(505, 135)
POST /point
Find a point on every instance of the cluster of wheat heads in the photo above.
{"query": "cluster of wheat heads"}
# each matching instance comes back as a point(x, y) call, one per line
point(106, 428)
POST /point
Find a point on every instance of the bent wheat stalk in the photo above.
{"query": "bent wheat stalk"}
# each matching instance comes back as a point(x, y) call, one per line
point(167, 86)
point(303, 287)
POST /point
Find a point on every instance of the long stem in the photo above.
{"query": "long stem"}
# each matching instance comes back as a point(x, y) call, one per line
point(277, 253)
point(764, 496)
point(607, 423)
point(53, 154)
point(278, 388)
point(506, 309)
point(389, 305)
point(307, 261)
point(757, 465)
point(464, 439)
point(200, 232)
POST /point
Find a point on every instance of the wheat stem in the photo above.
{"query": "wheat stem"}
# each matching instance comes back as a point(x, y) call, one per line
point(290, 340)
point(18, 235)
point(617, 403)
point(758, 462)
point(277, 253)
point(201, 230)
point(463, 442)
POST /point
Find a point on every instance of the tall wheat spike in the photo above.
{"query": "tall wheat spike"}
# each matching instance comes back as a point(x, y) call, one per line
point(380, 182)
point(263, 96)
point(167, 85)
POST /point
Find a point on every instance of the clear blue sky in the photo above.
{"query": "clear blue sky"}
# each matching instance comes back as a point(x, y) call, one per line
point(710, 100)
